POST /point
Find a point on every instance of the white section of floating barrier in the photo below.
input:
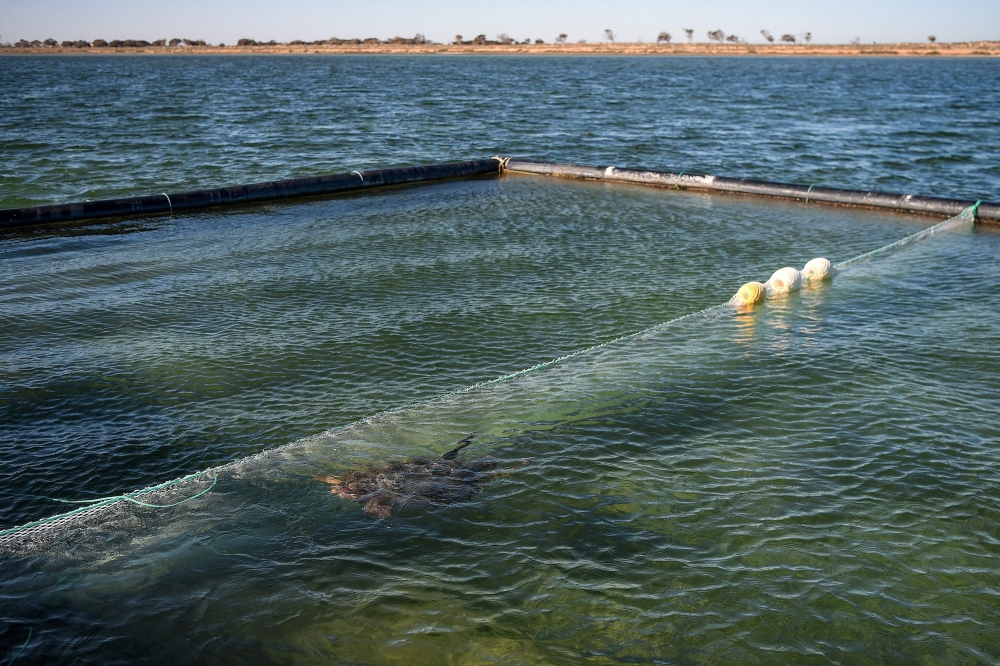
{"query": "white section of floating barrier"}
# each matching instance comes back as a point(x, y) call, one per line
point(910, 203)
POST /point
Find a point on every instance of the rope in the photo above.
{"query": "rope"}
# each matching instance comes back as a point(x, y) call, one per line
point(579, 352)
point(130, 497)
point(967, 214)
point(169, 203)
point(360, 176)
point(808, 192)
point(677, 183)
point(127, 497)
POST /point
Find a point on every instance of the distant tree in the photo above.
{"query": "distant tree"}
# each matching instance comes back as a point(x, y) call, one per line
point(788, 38)
point(174, 42)
point(504, 38)
point(610, 35)
point(419, 39)
point(50, 42)
point(480, 39)
point(241, 42)
point(458, 39)
point(717, 36)
point(663, 37)
point(767, 35)
point(733, 38)
point(808, 37)
point(931, 38)
point(856, 41)
point(539, 41)
point(99, 43)
point(690, 34)
point(561, 39)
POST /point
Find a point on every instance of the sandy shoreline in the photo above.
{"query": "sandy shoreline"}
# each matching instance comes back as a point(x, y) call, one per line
point(918, 49)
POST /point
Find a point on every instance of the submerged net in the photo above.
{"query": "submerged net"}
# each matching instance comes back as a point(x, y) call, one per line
point(499, 410)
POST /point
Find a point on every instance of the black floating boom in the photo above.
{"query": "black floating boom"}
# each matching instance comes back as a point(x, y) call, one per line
point(911, 203)
point(244, 194)
point(359, 180)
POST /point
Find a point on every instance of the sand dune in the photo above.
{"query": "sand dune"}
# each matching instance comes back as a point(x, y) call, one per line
point(985, 48)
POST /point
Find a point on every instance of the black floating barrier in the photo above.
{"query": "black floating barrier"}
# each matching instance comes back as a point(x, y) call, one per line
point(910, 203)
point(244, 194)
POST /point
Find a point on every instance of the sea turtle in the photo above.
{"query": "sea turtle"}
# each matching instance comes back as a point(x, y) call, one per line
point(427, 482)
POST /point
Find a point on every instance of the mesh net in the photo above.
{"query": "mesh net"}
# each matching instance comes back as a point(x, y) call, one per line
point(498, 410)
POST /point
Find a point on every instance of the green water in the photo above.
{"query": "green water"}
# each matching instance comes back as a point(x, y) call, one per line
point(811, 481)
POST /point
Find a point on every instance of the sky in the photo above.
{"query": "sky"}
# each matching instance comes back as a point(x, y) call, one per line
point(225, 21)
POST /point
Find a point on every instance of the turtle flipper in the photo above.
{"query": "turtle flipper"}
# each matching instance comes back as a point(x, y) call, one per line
point(461, 445)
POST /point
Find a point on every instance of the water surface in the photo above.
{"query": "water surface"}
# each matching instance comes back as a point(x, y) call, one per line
point(77, 127)
point(812, 481)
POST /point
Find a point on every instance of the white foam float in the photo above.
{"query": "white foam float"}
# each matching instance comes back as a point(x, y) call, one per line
point(783, 281)
point(817, 269)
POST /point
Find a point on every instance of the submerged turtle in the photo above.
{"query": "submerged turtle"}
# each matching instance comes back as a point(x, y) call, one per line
point(426, 482)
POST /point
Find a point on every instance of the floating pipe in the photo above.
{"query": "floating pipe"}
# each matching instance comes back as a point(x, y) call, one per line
point(910, 203)
point(358, 180)
point(243, 194)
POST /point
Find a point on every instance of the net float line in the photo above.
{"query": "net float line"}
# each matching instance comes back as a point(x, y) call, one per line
point(989, 212)
point(352, 181)
point(274, 190)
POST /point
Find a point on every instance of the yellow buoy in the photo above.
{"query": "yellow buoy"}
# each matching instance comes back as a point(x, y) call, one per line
point(817, 269)
point(750, 293)
point(783, 281)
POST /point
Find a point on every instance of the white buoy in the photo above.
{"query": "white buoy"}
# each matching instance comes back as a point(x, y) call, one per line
point(783, 281)
point(818, 269)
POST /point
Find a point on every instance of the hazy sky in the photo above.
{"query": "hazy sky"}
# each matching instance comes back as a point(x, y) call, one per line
point(228, 20)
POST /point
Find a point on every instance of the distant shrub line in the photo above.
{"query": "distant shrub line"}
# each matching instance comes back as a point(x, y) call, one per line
point(141, 43)
point(502, 39)
point(100, 43)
